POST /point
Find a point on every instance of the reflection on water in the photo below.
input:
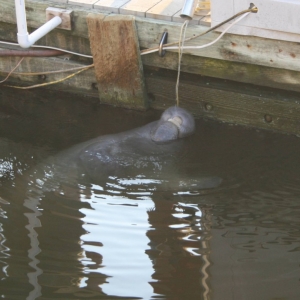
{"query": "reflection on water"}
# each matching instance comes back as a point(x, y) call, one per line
point(128, 239)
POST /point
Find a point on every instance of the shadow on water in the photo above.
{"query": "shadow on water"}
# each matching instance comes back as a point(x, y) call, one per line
point(126, 238)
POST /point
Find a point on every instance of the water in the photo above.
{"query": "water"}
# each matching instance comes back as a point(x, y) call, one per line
point(123, 239)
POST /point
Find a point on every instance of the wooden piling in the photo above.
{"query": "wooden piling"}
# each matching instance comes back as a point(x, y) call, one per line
point(118, 65)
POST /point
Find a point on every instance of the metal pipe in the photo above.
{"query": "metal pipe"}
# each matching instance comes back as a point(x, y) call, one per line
point(188, 9)
point(26, 40)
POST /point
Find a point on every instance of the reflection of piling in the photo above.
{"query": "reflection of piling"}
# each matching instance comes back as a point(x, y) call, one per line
point(179, 255)
point(206, 223)
point(33, 222)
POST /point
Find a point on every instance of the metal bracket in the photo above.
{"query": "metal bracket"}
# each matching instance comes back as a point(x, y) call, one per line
point(163, 40)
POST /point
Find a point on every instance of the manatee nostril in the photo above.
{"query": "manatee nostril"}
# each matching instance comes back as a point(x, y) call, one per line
point(176, 121)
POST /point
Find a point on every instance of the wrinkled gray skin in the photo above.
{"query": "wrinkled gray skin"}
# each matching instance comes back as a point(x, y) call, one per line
point(146, 152)
point(144, 149)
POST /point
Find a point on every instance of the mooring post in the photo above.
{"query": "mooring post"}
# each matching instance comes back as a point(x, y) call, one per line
point(117, 60)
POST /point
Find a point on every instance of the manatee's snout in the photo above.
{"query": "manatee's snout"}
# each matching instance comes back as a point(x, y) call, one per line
point(175, 123)
point(167, 130)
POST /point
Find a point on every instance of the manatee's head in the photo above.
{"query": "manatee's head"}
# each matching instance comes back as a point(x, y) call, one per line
point(175, 123)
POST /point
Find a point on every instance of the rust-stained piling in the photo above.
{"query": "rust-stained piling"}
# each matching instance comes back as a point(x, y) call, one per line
point(118, 65)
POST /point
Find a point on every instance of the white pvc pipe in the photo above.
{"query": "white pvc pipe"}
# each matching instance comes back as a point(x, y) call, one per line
point(26, 40)
point(188, 9)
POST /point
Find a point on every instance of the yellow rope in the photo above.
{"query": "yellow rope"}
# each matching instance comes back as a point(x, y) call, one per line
point(46, 72)
point(52, 82)
point(180, 51)
point(12, 70)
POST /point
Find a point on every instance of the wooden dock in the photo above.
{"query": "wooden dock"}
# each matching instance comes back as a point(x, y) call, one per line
point(168, 10)
point(241, 79)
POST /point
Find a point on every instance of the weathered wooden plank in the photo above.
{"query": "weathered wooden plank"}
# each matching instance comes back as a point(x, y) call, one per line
point(84, 82)
point(280, 66)
point(56, 38)
point(8, 32)
point(137, 7)
point(62, 39)
point(165, 9)
point(228, 106)
point(65, 15)
point(246, 49)
point(86, 3)
point(110, 5)
point(206, 21)
point(118, 65)
point(239, 72)
point(247, 73)
point(202, 8)
point(204, 98)
point(250, 72)
point(36, 16)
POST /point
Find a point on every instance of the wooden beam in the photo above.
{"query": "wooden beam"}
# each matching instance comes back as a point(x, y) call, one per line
point(217, 101)
point(64, 14)
point(205, 97)
point(110, 5)
point(218, 68)
point(165, 9)
point(233, 48)
point(35, 14)
point(138, 7)
point(240, 72)
point(242, 59)
point(86, 3)
point(278, 70)
point(83, 83)
point(117, 60)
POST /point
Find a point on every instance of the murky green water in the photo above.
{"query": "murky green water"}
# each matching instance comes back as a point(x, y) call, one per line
point(123, 239)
